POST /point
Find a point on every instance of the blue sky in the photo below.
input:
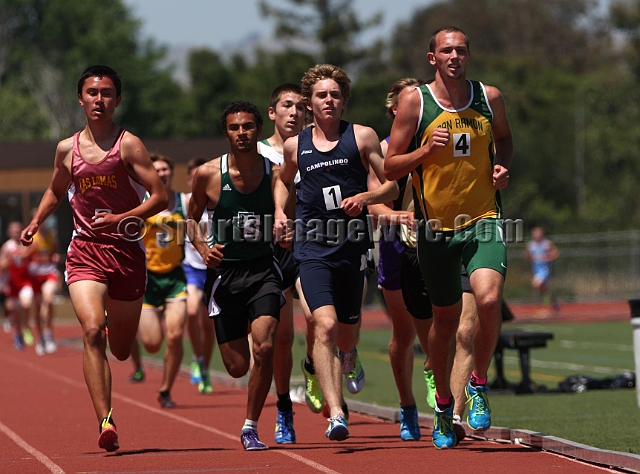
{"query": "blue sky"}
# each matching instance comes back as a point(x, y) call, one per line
point(216, 23)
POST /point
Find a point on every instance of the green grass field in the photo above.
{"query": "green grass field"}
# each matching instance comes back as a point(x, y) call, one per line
point(607, 419)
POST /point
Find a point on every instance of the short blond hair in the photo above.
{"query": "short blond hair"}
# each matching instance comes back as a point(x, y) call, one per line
point(325, 71)
point(396, 88)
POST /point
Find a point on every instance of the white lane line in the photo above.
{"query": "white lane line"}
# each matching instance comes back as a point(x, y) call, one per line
point(158, 411)
point(308, 462)
point(539, 364)
point(195, 424)
point(53, 467)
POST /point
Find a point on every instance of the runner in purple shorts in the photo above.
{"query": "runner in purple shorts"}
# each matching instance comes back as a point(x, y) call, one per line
point(390, 216)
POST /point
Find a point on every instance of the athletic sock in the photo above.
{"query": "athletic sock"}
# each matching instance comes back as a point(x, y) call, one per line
point(475, 380)
point(443, 403)
point(107, 419)
point(308, 365)
point(284, 402)
point(345, 411)
point(250, 425)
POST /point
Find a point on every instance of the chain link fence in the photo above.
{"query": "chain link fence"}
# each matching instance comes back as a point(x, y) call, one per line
point(601, 265)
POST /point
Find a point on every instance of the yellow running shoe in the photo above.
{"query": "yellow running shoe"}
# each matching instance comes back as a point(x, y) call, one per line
point(312, 392)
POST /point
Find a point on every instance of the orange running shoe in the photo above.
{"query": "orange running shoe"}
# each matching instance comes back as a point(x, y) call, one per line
point(108, 439)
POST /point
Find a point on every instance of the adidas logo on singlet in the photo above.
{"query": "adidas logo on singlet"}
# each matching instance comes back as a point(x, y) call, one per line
point(226, 188)
point(305, 152)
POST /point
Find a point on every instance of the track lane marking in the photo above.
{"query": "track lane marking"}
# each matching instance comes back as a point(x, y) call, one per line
point(158, 411)
point(53, 467)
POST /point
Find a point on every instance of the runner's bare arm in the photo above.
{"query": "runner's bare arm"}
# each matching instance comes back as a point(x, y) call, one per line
point(398, 162)
point(371, 153)
point(5, 261)
point(55, 192)
point(382, 213)
point(282, 189)
point(502, 138)
point(204, 195)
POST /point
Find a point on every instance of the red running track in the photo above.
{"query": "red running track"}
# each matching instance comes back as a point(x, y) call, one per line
point(615, 310)
point(47, 424)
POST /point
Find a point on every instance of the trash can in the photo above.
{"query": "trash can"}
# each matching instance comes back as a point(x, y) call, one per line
point(635, 323)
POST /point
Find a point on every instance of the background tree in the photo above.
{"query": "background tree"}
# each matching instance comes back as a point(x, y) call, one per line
point(332, 23)
point(555, 62)
point(55, 40)
point(213, 85)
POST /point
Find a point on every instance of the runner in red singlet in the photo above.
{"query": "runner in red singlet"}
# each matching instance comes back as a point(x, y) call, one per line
point(105, 171)
point(18, 289)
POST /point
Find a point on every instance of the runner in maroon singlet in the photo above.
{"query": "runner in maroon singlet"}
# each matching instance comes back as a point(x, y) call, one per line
point(105, 171)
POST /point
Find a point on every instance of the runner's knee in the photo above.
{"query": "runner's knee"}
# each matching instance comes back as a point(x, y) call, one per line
point(237, 367)
point(94, 336)
point(325, 329)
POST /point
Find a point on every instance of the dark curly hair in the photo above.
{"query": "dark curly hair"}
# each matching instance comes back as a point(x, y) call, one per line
point(240, 106)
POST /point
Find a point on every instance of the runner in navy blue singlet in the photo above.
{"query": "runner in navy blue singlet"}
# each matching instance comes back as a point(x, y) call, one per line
point(331, 232)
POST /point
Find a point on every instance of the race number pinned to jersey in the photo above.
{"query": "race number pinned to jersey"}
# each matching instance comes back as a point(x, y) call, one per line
point(163, 239)
point(250, 225)
point(332, 197)
point(461, 144)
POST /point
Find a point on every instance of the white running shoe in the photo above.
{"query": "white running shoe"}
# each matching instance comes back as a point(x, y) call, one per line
point(355, 378)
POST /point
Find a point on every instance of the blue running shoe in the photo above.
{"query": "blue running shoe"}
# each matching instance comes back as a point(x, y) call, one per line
point(18, 342)
point(250, 441)
point(337, 430)
point(285, 434)
point(444, 435)
point(409, 427)
point(479, 417)
point(196, 373)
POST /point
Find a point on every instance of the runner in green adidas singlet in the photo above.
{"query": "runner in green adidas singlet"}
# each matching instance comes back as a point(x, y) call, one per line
point(455, 134)
point(243, 286)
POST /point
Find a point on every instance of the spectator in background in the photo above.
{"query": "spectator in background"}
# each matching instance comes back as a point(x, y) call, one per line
point(541, 252)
